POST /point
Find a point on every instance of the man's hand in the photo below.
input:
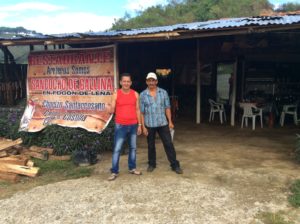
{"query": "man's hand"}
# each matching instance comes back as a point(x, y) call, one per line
point(171, 125)
point(109, 108)
point(145, 131)
point(139, 130)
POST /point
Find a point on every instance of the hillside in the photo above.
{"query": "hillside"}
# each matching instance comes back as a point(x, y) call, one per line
point(7, 32)
point(20, 52)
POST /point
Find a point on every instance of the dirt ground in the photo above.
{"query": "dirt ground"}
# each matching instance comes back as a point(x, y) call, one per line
point(231, 175)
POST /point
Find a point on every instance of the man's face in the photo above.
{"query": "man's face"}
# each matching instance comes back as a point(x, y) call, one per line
point(151, 83)
point(125, 82)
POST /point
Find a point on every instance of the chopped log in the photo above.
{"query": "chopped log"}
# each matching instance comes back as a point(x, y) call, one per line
point(24, 170)
point(12, 151)
point(18, 160)
point(11, 177)
point(3, 154)
point(41, 149)
point(18, 148)
point(30, 163)
point(62, 158)
point(44, 155)
point(9, 143)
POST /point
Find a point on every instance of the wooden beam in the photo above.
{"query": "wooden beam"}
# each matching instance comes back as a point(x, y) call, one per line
point(18, 160)
point(30, 163)
point(11, 177)
point(41, 149)
point(44, 155)
point(62, 158)
point(23, 170)
point(3, 154)
point(6, 144)
point(180, 34)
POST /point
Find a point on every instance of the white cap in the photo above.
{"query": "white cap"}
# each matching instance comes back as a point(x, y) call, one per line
point(151, 75)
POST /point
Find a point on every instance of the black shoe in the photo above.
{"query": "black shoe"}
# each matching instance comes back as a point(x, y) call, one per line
point(150, 168)
point(178, 170)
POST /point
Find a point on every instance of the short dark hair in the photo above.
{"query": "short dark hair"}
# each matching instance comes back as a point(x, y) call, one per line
point(125, 75)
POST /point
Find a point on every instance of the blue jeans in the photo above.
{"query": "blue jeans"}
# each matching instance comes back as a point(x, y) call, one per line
point(121, 133)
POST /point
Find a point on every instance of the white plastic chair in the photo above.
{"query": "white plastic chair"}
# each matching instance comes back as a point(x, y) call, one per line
point(289, 110)
point(251, 111)
point(216, 108)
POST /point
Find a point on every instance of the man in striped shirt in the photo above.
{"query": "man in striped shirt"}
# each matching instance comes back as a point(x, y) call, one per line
point(156, 117)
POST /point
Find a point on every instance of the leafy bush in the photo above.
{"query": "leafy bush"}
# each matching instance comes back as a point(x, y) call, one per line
point(294, 199)
point(9, 124)
point(63, 140)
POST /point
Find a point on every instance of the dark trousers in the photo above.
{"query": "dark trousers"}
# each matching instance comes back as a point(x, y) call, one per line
point(165, 136)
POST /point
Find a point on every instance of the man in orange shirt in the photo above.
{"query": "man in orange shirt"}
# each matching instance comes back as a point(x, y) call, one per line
point(125, 104)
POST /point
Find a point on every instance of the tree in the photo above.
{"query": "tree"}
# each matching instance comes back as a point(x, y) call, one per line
point(185, 11)
point(288, 7)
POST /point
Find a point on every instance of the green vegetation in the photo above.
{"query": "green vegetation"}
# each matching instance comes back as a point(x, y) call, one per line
point(273, 218)
point(294, 199)
point(15, 30)
point(65, 168)
point(185, 11)
point(63, 140)
point(66, 140)
point(9, 124)
point(288, 7)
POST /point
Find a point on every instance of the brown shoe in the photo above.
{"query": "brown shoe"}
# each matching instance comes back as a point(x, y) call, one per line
point(135, 172)
point(113, 176)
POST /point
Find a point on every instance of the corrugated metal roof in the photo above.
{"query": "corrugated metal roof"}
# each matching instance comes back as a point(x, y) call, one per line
point(207, 25)
point(210, 25)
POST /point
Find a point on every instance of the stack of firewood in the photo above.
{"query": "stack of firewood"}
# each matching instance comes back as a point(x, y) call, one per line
point(15, 160)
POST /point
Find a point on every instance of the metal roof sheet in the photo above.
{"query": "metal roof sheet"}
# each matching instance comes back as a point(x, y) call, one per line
point(207, 25)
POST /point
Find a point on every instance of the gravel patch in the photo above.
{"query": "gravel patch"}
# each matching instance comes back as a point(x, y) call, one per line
point(144, 199)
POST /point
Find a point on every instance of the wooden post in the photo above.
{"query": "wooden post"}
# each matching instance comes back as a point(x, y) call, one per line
point(5, 66)
point(198, 90)
point(116, 68)
point(233, 98)
point(243, 79)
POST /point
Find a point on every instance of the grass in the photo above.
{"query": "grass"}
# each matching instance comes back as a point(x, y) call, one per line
point(277, 218)
point(64, 168)
point(51, 171)
point(4, 184)
point(294, 198)
point(273, 218)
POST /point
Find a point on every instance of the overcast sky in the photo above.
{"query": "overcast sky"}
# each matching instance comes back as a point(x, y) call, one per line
point(68, 16)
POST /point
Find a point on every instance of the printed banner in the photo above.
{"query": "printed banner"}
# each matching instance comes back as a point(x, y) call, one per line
point(70, 88)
